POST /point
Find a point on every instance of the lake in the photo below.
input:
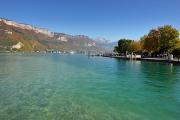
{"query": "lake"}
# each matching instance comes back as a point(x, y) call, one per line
point(77, 87)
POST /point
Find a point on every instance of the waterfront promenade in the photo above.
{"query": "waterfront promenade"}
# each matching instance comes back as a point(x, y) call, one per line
point(174, 61)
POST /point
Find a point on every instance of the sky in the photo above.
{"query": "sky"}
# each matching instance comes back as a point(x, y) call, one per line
point(111, 19)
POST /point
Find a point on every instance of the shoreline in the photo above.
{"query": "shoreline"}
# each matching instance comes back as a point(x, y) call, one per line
point(148, 59)
point(163, 60)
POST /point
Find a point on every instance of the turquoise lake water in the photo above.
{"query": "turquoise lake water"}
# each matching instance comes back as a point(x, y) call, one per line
point(75, 87)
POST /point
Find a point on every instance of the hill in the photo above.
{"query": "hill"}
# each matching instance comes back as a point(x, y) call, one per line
point(25, 37)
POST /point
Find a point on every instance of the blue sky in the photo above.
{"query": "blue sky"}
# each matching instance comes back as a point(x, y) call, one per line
point(111, 19)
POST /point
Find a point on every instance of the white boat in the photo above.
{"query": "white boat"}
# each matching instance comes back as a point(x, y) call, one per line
point(71, 52)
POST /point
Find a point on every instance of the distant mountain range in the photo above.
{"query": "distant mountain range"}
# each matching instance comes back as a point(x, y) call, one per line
point(25, 37)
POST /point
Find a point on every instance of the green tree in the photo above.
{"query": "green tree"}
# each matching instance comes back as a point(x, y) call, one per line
point(178, 43)
point(116, 49)
point(123, 46)
point(168, 38)
point(176, 52)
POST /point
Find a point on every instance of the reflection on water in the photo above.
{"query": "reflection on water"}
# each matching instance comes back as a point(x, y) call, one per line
point(157, 83)
point(160, 73)
point(75, 87)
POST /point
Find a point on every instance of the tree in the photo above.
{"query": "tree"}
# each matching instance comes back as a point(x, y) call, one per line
point(178, 43)
point(160, 40)
point(176, 53)
point(151, 42)
point(116, 49)
point(126, 45)
point(168, 38)
point(123, 46)
point(136, 47)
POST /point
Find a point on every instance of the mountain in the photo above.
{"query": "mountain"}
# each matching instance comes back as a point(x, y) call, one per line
point(104, 43)
point(25, 37)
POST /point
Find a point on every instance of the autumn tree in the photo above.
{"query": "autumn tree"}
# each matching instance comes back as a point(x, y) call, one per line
point(162, 39)
point(151, 42)
point(136, 47)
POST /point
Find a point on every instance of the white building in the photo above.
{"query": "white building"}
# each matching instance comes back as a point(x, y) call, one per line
point(19, 45)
